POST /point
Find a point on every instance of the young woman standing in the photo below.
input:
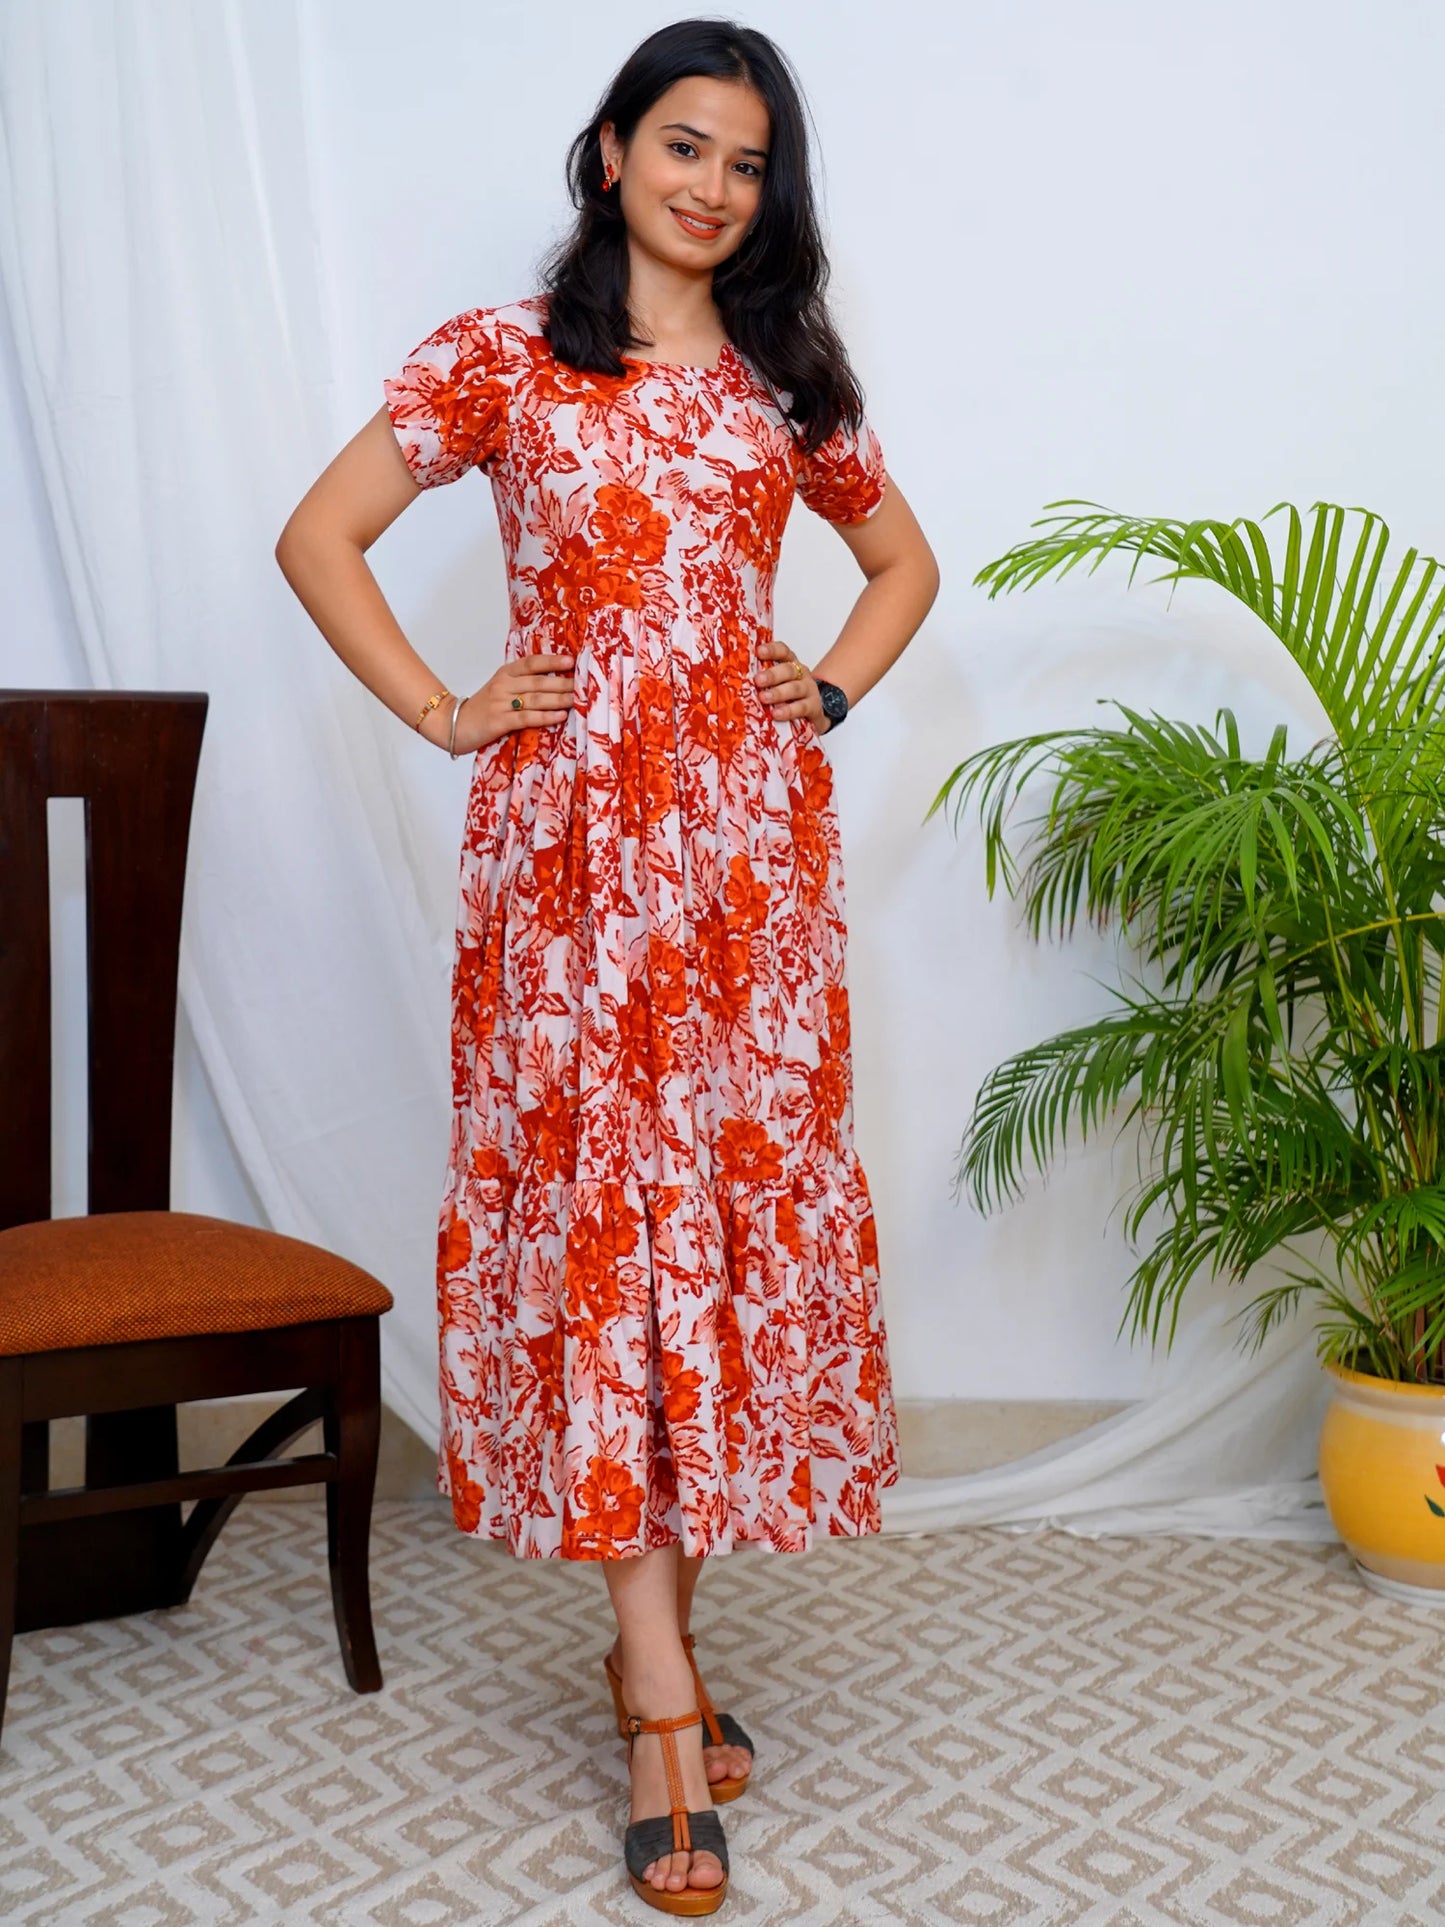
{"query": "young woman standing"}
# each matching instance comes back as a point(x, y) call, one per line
point(658, 1285)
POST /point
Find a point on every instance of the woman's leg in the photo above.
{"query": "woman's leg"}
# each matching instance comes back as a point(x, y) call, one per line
point(689, 1571)
point(656, 1684)
point(721, 1762)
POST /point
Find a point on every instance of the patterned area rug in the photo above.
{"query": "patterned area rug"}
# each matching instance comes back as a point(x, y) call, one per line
point(973, 1727)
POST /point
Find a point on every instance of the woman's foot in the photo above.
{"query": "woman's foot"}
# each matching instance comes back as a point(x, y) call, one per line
point(661, 1692)
point(720, 1762)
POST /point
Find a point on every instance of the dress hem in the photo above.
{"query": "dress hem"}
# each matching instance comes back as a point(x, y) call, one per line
point(815, 1534)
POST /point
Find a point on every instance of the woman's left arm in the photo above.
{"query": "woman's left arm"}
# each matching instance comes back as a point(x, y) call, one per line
point(902, 581)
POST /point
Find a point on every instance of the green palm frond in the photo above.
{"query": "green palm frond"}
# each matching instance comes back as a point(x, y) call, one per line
point(1285, 1061)
point(1160, 825)
point(1027, 1106)
point(1368, 638)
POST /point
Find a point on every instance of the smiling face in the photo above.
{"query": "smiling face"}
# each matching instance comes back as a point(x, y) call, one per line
point(691, 177)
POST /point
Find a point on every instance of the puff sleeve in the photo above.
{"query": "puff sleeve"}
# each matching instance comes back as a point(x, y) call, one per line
point(843, 480)
point(448, 400)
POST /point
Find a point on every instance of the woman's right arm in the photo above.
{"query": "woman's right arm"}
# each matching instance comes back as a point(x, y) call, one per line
point(322, 553)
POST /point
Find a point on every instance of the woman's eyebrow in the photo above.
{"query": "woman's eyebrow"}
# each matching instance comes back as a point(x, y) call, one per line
point(697, 134)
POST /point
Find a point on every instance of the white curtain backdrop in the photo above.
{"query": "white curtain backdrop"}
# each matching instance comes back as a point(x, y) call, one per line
point(160, 273)
point(159, 256)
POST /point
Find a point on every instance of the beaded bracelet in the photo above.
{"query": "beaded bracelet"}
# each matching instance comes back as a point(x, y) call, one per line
point(427, 708)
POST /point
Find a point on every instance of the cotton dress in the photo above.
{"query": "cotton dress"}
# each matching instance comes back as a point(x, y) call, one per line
point(658, 1272)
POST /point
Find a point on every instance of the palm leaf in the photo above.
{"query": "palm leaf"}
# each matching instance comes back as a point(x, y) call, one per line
point(1284, 1062)
point(1317, 596)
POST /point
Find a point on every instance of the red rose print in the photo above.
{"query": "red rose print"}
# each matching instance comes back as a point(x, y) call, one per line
point(610, 1502)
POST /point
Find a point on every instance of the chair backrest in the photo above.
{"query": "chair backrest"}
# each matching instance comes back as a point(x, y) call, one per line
point(133, 759)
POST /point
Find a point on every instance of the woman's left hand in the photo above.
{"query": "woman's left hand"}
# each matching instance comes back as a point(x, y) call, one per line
point(785, 692)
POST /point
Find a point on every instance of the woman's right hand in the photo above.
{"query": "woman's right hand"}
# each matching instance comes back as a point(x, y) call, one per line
point(544, 686)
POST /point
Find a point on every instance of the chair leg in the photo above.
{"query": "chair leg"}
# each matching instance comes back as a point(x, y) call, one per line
point(270, 1438)
point(10, 1462)
point(35, 1456)
point(352, 1429)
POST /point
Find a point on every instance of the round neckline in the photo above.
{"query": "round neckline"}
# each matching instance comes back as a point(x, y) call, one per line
point(685, 367)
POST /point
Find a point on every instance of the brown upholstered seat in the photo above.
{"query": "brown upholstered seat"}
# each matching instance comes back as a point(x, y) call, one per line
point(118, 1317)
point(120, 1276)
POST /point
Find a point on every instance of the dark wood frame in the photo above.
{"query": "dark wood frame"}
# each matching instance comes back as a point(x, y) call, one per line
point(117, 1544)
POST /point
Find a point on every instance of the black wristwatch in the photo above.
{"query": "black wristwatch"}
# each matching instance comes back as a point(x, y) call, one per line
point(835, 704)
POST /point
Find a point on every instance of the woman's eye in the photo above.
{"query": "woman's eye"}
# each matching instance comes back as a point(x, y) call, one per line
point(689, 152)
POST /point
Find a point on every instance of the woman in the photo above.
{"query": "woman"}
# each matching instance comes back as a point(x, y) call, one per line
point(658, 1279)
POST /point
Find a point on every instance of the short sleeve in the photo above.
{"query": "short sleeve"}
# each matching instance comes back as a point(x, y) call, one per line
point(448, 400)
point(844, 480)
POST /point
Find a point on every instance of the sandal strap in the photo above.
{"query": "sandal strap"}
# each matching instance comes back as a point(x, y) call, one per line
point(705, 1705)
point(667, 1729)
point(722, 1728)
point(674, 1723)
point(648, 1840)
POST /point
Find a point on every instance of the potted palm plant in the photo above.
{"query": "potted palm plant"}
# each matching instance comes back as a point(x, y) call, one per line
point(1283, 1052)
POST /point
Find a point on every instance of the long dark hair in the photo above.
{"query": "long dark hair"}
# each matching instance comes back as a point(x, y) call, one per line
point(770, 293)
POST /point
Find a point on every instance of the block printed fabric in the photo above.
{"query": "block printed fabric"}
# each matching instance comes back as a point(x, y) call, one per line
point(658, 1273)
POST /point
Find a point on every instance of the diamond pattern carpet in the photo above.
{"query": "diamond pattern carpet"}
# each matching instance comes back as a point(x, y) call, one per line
point(975, 1727)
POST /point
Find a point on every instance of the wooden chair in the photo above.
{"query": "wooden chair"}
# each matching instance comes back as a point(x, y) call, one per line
point(118, 1315)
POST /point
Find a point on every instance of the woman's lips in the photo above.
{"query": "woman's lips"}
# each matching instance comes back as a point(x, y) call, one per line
point(700, 231)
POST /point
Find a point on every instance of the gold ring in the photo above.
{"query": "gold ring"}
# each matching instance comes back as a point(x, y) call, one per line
point(798, 669)
point(516, 702)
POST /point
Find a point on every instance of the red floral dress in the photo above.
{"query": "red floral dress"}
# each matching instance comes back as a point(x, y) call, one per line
point(658, 1280)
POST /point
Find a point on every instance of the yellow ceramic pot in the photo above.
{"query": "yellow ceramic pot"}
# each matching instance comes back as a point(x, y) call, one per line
point(1382, 1470)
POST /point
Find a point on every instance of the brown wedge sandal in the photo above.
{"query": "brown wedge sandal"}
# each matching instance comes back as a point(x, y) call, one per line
point(677, 1831)
point(722, 1728)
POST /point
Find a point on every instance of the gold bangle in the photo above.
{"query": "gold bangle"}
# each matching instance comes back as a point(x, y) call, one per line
point(426, 709)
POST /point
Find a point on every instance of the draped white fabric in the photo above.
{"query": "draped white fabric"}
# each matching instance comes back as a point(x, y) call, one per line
point(1230, 1453)
point(159, 270)
point(158, 250)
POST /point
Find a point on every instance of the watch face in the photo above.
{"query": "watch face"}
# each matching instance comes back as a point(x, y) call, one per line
point(835, 703)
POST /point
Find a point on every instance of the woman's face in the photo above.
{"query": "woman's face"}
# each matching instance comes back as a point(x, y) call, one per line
point(692, 175)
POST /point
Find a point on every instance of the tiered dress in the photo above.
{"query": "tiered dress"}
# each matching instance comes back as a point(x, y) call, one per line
point(658, 1276)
